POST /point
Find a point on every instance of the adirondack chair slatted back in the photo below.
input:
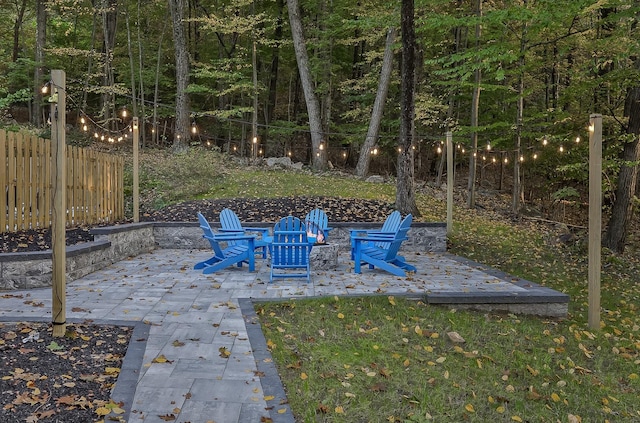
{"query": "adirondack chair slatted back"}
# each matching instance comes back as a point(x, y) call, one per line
point(209, 235)
point(401, 235)
point(389, 227)
point(239, 249)
point(317, 224)
point(290, 248)
point(388, 259)
point(230, 223)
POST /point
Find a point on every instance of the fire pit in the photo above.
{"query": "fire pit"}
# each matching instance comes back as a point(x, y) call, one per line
point(324, 256)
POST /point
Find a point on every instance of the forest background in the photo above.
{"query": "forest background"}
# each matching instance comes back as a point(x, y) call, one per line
point(322, 81)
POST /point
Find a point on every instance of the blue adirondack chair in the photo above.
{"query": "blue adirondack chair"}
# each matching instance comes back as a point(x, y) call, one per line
point(229, 223)
point(384, 258)
point(317, 225)
point(240, 248)
point(290, 250)
point(388, 229)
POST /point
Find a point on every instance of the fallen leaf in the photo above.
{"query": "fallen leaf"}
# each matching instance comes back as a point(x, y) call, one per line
point(161, 359)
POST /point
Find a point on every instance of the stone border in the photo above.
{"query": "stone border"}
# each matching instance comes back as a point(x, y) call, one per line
point(114, 243)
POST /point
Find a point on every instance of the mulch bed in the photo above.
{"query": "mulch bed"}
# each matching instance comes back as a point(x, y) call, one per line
point(248, 210)
point(63, 379)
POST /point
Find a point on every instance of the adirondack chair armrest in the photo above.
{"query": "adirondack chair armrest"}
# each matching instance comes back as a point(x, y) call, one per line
point(263, 231)
point(382, 237)
point(355, 232)
point(231, 236)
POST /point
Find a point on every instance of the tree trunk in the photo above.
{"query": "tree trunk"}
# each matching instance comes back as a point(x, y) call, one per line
point(517, 181)
point(38, 75)
point(109, 25)
point(155, 136)
point(17, 25)
point(475, 106)
point(134, 103)
point(275, 62)
point(141, 66)
point(362, 168)
point(405, 193)
point(181, 132)
point(622, 211)
point(313, 106)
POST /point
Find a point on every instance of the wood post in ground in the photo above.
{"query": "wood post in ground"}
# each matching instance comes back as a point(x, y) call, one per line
point(58, 221)
point(595, 218)
point(450, 183)
point(136, 178)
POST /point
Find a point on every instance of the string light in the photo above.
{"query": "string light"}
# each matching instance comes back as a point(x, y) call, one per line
point(578, 139)
point(561, 149)
point(545, 141)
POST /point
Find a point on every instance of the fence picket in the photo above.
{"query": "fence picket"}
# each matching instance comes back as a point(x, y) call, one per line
point(95, 191)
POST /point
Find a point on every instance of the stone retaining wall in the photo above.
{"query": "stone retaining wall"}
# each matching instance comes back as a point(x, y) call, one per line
point(111, 244)
point(115, 243)
point(423, 237)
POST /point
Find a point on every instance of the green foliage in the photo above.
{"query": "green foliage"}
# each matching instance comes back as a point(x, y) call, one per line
point(23, 95)
point(565, 193)
point(167, 178)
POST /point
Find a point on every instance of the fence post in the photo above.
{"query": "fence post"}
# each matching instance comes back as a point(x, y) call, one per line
point(58, 173)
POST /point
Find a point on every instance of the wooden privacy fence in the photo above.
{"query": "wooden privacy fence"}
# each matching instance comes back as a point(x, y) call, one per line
point(94, 192)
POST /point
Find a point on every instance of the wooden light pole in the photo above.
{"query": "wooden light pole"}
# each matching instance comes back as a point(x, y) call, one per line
point(595, 218)
point(59, 216)
point(450, 182)
point(136, 178)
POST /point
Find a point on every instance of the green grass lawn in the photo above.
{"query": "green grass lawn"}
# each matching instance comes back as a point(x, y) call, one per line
point(377, 359)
